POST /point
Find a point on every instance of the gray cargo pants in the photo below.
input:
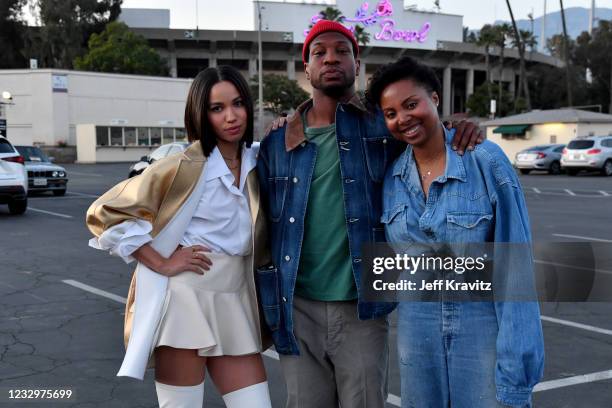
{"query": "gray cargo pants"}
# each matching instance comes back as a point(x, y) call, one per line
point(343, 361)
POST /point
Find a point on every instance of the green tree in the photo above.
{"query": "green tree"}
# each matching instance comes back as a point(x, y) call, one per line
point(554, 45)
point(280, 93)
point(600, 61)
point(117, 49)
point(66, 26)
point(479, 103)
point(361, 35)
point(332, 14)
point(487, 37)
point(12, 34)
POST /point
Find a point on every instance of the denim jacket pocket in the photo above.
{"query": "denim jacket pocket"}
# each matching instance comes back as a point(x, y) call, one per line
point(269, 295)
point(377, 155)
point(468, 226)
point(278, 191)
point(389, 215)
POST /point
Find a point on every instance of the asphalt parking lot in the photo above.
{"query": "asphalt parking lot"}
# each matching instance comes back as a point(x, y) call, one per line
point(61, 312)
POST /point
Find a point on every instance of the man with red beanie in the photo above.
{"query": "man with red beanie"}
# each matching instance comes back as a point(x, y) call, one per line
point(321, 187)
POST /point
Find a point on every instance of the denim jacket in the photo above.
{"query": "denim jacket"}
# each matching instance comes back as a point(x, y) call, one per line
point(285, 168)
point(477, 199)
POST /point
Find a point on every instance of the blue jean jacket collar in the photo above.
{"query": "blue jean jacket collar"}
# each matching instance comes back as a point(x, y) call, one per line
point(454, 163)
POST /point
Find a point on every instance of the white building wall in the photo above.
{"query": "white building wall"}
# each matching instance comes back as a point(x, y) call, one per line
point(41, 116)
point(536, 135)
point(594, 129)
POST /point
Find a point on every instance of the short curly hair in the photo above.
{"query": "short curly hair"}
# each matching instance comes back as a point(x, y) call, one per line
point(403, 68)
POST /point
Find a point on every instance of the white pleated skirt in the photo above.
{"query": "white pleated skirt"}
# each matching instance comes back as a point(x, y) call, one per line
point(214, 313)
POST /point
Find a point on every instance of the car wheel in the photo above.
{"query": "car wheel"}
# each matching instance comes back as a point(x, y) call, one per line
point(58, 193)
point(555, 168)
point(525, 171)
point(17, 207)
point(572, 172)
point(607, 168)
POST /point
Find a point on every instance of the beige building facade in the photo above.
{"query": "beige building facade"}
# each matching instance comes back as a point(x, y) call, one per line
point(545, 127)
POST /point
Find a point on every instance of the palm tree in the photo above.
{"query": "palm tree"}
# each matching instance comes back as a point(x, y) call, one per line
point(332, 14)
point(523, 84)
point(361, 35)
point(566, 56)
point(487, 38)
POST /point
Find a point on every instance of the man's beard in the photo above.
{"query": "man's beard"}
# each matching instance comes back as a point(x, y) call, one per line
point(335, 90)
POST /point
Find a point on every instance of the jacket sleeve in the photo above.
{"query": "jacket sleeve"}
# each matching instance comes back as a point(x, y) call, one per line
point(138, 198)
point(124, 239)
point(520, 344)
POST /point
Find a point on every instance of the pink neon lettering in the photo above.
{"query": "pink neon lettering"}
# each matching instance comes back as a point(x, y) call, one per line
point(388, 32)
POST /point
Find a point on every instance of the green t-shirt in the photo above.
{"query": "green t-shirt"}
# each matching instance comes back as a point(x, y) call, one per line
point(325, 272)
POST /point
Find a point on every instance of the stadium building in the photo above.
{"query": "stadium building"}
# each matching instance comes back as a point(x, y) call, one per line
point(133, 114)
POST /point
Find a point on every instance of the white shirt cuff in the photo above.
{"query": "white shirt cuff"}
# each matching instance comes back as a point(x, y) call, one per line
point(123, 239)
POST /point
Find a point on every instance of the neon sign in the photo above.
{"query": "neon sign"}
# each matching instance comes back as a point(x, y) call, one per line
point(381, 14)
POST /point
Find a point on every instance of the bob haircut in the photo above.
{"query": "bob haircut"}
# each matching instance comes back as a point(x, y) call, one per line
point(403, 68)
point(196, 111)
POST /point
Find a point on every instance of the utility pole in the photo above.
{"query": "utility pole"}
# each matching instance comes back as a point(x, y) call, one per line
point(568, 81)
point(260, 122)
point(543, 34)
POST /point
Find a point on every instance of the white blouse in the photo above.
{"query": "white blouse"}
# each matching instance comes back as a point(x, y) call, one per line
point(221, 222)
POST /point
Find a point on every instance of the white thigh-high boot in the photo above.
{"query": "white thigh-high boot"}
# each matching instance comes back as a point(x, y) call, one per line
point(172, 396)
point(253, 396)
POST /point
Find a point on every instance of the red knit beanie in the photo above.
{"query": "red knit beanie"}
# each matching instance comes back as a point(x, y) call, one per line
point(325, 26)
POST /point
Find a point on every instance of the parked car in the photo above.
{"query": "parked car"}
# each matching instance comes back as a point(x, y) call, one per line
point(13, 178)
point(159, 153)
point(43, 175)
point(542, 157)
point(588, 153)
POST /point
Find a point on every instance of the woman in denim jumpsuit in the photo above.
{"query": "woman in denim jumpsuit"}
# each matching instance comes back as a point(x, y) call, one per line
point(454, 354)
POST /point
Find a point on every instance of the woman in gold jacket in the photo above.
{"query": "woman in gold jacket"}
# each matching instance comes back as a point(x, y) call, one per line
point(192, 222)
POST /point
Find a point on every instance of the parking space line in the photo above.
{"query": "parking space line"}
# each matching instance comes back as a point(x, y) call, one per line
point(578, 379)
point(81, 194)
point(577, 325)
point(570, 192)
point(95, 291)
point(50, 213)
point(584, 238)
point(393, 399)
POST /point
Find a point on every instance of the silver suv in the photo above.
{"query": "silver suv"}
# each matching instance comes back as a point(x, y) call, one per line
point(588, 153)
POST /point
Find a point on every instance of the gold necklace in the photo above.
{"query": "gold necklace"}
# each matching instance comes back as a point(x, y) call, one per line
point(428, 173)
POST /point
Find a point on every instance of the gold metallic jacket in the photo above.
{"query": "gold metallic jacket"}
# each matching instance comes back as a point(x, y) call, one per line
point(156, 196)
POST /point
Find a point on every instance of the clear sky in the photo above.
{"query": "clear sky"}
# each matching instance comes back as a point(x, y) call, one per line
point(238, 14)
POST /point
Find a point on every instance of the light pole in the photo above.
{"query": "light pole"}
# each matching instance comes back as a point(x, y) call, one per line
point(260, 127)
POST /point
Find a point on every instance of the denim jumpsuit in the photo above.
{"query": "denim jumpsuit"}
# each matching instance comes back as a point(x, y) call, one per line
point(463, 354)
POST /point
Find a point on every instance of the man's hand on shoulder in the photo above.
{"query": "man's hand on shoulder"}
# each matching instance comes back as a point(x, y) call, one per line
point(277, 123)
point(467, 135)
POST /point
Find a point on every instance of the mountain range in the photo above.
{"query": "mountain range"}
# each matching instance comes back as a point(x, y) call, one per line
point(576, 19)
